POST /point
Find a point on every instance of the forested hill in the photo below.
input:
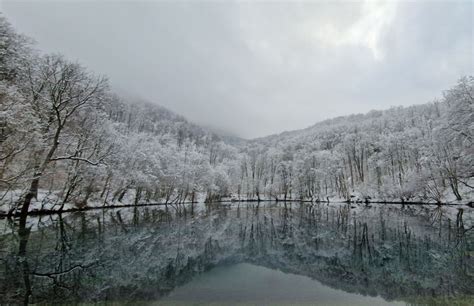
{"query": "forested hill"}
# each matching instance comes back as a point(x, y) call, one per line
point(338, 122)
point(419, 152)
point(67, 141)
point(140, 116)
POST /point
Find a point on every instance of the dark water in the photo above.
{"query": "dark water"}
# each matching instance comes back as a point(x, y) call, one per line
point(242, 254)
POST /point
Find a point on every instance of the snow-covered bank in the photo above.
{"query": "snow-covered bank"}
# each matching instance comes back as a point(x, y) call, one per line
point(49, 203)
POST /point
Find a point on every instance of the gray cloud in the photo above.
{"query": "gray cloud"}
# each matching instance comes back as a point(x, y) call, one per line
point(252, 69)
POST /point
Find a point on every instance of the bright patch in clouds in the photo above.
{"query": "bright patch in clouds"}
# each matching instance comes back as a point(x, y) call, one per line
point(366, 31)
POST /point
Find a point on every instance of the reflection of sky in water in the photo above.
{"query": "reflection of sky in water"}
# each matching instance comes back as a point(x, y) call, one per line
point(250, 284)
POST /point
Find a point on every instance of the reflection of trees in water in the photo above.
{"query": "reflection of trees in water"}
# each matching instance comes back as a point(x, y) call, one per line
point(145, 253)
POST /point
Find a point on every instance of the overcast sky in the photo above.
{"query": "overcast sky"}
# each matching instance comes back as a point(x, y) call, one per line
point(253, 69)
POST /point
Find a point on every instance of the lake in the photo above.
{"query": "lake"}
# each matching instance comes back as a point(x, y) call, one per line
point(242, 254)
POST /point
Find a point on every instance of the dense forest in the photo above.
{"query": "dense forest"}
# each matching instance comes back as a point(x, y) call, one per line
point(68, 141)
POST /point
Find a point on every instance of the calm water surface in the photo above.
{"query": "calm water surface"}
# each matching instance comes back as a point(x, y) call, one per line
point(256, 285)
point(247, 254)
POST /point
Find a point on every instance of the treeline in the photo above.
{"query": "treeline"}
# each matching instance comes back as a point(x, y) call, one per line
point(419, 153)
point(66, 140)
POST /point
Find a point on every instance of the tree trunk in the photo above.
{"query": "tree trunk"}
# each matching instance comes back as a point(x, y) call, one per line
point(32, 193)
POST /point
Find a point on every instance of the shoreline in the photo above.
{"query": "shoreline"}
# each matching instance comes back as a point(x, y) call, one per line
point(55, 211)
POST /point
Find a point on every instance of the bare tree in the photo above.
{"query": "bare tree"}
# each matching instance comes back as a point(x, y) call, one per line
point(57, 90)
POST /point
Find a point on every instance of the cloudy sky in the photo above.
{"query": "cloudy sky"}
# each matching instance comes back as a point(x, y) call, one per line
point(253, 69)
